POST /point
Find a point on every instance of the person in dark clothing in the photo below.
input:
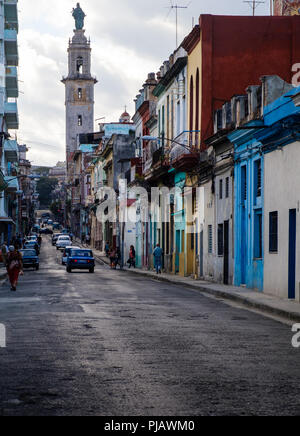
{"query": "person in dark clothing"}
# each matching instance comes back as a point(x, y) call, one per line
point(107, 249)
point(132, 255)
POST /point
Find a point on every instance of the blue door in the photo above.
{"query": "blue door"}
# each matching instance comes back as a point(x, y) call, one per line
point(292, 254)
point(243, 253)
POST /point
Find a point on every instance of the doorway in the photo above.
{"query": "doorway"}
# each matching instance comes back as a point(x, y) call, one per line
point(292, 254)
point(226, 253)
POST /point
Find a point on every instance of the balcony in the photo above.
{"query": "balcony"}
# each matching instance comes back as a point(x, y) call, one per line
point(11, 47)
point(13, 184)
point(11, 13)
point(11, 115)
point(181, 156)
point(12, 87)
point(11, 150)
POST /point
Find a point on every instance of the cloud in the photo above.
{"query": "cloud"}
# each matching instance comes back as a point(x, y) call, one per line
point(130, 38)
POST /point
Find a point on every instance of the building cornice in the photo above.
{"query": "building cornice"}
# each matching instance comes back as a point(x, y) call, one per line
point(191, 41)
point(170, 75)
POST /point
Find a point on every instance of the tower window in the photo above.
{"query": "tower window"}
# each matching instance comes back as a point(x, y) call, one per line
point(80, 93)
point(79, 121)
point(79, 65)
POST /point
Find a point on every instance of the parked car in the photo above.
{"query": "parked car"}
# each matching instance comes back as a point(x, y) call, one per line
point(63, 242)
point(30, 259)
point(82, 260)
point(67, 253)
point(32, 238)
point(46, 232)
point(32, 245)
point(55, 238)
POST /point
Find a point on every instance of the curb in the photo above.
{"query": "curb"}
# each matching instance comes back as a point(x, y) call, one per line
point(290, 316)
point(247, 302)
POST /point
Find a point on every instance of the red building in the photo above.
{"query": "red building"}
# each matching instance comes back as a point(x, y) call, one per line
point(227, 53)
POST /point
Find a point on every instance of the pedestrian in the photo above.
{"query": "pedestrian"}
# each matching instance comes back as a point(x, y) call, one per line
point(88, 239)
point(113, 258)
point(158, 259)
point(14, 266)
point(19, 241)
point(132, 255)
point(4, 252)
point(40, 240)
point(107, 249)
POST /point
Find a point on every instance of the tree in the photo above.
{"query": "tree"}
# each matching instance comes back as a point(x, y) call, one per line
point(44, 187)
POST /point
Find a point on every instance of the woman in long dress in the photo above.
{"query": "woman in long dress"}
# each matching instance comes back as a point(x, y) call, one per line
point(14, 267)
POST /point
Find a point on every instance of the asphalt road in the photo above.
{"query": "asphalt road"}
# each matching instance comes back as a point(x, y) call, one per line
point(116, 344)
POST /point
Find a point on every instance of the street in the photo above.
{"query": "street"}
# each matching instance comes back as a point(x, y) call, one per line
point(116, 344)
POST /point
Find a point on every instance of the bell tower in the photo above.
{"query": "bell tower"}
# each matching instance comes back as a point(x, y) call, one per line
point(79, 85)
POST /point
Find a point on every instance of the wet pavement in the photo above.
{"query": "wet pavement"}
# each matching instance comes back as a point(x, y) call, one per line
point(113, 344)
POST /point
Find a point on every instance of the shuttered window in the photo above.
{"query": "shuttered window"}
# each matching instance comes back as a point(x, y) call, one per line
point(227, 187)
point(210, 239)
point(273, 230)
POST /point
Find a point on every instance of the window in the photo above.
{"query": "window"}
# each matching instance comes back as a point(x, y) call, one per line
point(191, 103)
point(80, 93)
point(220, 239)
point(159, 123)
point(257, 178)
point(79, 65)
point(221, 189)
point(244, 183)
point(258, 235)
point(273, 232)
point(227, 187)
point(210, 239)
point(79, 121)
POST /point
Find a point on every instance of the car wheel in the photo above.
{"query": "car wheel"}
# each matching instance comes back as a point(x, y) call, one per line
point(37, 267)
point(69, 270)
point(92, 270)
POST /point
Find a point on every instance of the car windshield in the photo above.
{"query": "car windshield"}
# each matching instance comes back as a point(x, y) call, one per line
point(64, 238)
point(81, 253)
point(30, 243)
point(28, 253)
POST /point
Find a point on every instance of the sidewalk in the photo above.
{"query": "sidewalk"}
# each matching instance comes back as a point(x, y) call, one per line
point(290, 310)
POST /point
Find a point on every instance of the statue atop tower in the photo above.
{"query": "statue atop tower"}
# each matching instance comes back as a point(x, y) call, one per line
point(79, 16)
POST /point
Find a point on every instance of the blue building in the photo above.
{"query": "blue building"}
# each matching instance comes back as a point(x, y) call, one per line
point(270, 123)
point(249, 216)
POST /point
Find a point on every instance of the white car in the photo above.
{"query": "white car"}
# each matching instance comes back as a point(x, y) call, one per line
point(63, 242)
point(67, 252)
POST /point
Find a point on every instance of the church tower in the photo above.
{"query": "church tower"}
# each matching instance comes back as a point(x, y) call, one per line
point(79, 86)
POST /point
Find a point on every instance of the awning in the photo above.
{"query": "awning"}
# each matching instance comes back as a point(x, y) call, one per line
point(7, 220)
point(13, 183)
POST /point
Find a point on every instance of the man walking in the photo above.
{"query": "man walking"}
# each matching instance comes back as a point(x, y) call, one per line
point(158, 259)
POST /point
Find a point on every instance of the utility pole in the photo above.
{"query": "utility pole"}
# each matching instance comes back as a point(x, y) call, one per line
point(254, 4)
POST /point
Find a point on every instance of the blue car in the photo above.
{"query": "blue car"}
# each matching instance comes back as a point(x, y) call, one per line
point(30, 259)
point(81, 260)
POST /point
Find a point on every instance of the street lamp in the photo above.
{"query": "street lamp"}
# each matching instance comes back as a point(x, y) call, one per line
point(163, 138)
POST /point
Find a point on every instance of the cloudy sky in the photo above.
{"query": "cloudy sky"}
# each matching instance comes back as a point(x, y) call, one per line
point(130, 38)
